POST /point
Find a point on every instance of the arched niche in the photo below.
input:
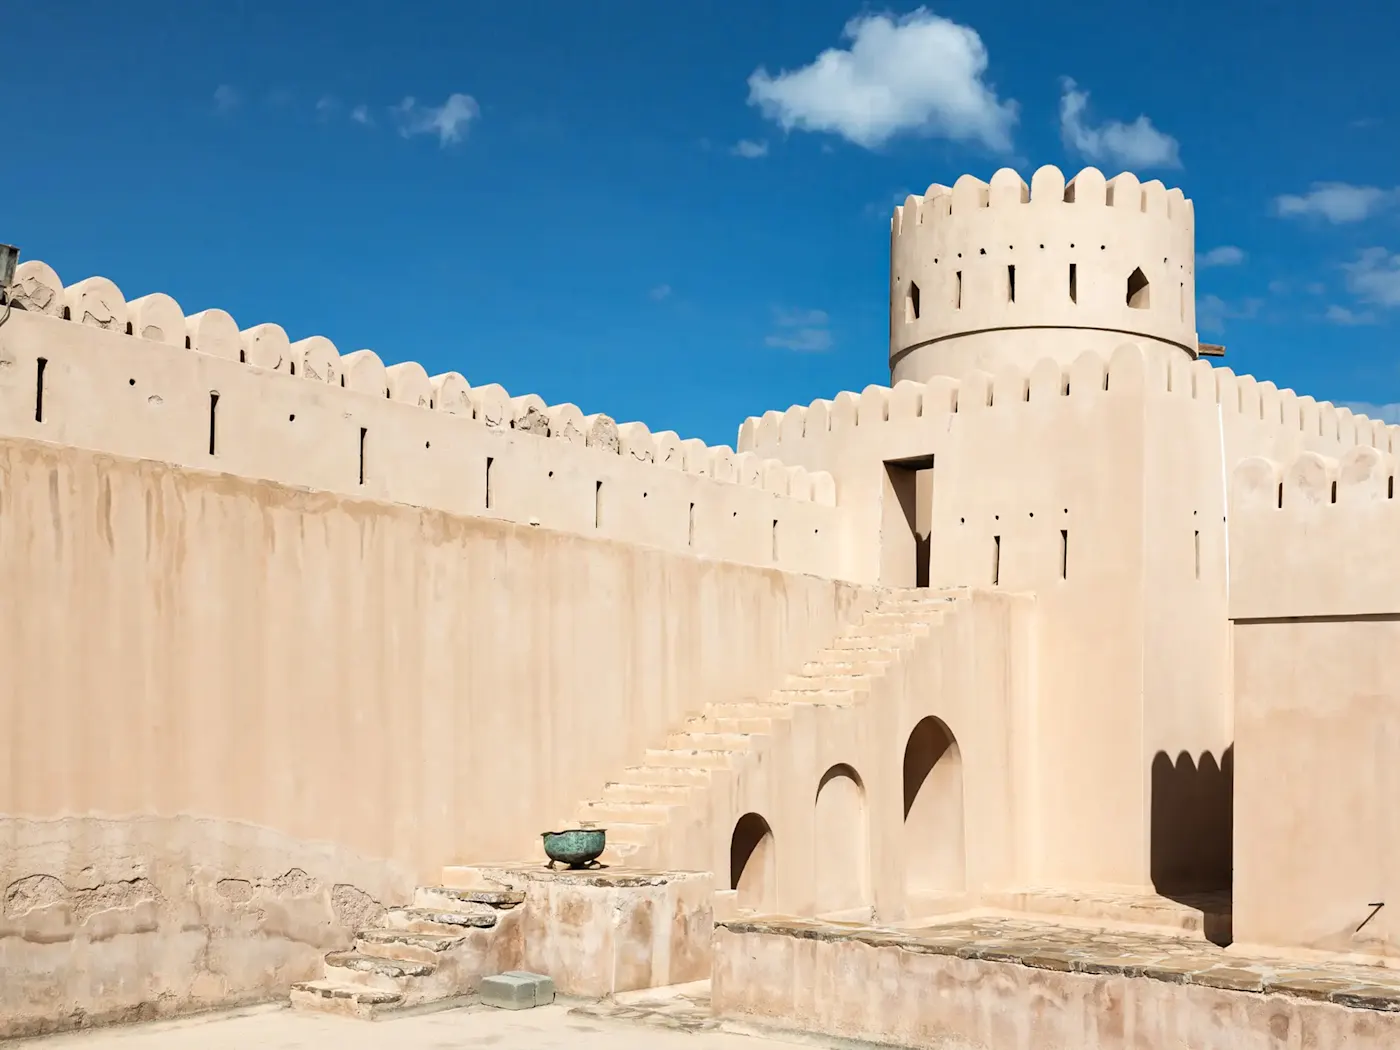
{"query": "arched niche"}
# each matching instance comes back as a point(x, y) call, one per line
point(935, 861)
point(841, 842)
point(753, 864)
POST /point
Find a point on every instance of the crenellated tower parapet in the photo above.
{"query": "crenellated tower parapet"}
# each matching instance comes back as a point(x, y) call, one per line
point(984, 275)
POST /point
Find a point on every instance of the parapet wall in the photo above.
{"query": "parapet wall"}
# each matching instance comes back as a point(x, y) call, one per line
point(1316, 536)
point(81, 366)
point(974, 266)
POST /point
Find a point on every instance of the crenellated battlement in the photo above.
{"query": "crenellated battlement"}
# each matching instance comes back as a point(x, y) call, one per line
point(1313, 535)
point(82, 366)
point(1242, 401)
point(975, 267)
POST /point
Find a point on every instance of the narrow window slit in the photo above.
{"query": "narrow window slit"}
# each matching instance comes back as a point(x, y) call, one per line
point(1064, 554)
point(39, 390)
point(489, 462)
point(1011, 284)
point(1074, 282)
point(1198, 554)
point(775, 539)
point(364, 432)
point(597, 504)
point(690, 528)
point(213, 422)
point(996, 560)
point(957, 294)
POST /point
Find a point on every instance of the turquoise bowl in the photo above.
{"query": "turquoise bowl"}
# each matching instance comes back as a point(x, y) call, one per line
point(577, 847)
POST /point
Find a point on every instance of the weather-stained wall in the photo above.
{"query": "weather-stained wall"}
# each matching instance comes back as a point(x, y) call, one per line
point(1315, 602)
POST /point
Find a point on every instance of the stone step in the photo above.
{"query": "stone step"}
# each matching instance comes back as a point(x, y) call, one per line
point(751, 725)
point(437, 921)
point(347, 1000)
point(406, 945)
point(821, 697)
point(451, 898)
point(694, 759)
point(623, 833)
point(691, 741)
point(606, 812)
point(374, 971)
point(884, 647)
point(841, 661)
point(827, 681)
point(749, 709)
point(667, 775)
point(621, 791)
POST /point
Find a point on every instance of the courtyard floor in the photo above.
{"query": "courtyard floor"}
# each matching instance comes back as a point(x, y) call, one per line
point(662, 1019)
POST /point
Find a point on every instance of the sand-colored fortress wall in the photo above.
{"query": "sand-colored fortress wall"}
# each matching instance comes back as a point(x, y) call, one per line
point(1315, 600)
point(199, 393)
point(984, 275)
point(277, 648)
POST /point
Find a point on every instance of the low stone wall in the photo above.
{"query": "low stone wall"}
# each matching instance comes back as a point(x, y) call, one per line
point(601, 932)
point(1007, 985)
point(123, 920)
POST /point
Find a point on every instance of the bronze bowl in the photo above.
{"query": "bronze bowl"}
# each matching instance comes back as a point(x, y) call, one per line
point(576, 847)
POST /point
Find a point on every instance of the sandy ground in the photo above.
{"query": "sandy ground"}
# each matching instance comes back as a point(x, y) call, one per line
point(635, 1023)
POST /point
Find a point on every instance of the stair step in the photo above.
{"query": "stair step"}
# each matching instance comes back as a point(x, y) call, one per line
point(825, 697)
point(352, 1000)
point(840, 661)
point(665, 775)
point(373, 971)
point(749, 709)
point(620, 791)
point(883, 647)
point(428, 942)
point(692, 741)
point(827, 681)
point(435, 920)
point(607, 812)
point(694, 759)
point(452, 898)
point(622, 833)
point(749, 725)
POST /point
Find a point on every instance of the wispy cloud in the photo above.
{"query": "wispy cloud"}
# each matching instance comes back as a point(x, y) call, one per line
point(1345, 315)
point(1135, 145)
point(360, 115)
point(1225, 255)
point(661, 291)
point(449, 121)
point(1336, 202)
point(1389, 413)
point(226, 98)
point(917, 74)
point(1213, 313)
point(327, 107)
point(749, 149)
point(806, 331)
point(1374, 277)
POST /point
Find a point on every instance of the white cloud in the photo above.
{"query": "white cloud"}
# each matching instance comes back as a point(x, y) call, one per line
point(1385, 413)
point(661, 291)
point(1213, 313)
point(1375, 277)
point(448, 121)
point(1135, 145)
point(225, 98)
point(917, 73)
point(360, 115)
point(1225, 255)
point(749, 149)
point(1344, 315)
point(1336, 202)
point(802, 330)
point(326, 106)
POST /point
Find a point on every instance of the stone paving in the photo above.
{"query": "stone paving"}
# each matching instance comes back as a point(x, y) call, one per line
point(1153, 956)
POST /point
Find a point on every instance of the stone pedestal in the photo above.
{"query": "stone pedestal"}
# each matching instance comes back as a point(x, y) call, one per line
point(600, 932)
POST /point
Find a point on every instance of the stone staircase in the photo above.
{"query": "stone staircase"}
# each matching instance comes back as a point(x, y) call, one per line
point(438, 948)
point(669, 786)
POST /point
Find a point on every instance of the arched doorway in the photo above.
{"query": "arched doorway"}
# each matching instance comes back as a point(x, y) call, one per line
point(841, 842)
point(753, 864)
point(934, 848)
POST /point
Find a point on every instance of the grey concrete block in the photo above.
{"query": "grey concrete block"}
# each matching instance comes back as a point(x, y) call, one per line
point(516, 990)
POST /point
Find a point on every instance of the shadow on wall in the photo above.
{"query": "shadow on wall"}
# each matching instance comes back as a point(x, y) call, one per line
point(934, 851)
point(753, 861)
point(1193, 823)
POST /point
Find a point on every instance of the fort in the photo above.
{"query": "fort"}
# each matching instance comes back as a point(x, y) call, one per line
point(1038, 699)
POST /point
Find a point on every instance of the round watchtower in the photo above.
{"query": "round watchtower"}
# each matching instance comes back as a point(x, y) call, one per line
point(985, 275)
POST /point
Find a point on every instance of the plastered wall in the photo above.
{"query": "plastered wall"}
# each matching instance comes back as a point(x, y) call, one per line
point(197, 392)
point(1315, 603)
point(302, 681)
point(984, 275)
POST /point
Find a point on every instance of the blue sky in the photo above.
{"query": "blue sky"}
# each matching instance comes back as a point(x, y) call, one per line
point(664, 211)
